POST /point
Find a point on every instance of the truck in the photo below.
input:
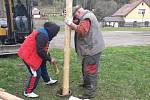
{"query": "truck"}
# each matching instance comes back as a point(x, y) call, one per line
point(10, 37)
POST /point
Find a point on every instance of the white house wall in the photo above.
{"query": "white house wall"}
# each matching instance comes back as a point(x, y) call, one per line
point(134, 15)
point(136, 19)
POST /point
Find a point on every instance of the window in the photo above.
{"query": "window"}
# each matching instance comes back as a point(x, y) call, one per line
point(141, 11)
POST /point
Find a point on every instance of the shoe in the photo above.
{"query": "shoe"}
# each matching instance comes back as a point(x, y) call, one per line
point(84, 96)
point(31, 95)
point(51, 82)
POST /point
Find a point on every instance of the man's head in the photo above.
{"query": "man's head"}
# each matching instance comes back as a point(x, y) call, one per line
point(52, 29)
point(78, 11)
point(18, 2)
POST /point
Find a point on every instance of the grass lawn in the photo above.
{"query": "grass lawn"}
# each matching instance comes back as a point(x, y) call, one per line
point(126, 29)
point(124, 75)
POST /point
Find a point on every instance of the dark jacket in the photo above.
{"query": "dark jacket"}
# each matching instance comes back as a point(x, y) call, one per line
point(42, 39)
point(20, 10)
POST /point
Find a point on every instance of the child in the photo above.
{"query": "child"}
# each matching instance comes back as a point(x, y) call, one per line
point(34, 54)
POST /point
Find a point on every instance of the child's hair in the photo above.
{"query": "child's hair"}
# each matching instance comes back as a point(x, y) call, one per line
point(52, 29)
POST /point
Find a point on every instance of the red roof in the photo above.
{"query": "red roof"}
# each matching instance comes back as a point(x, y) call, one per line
point(124, 10)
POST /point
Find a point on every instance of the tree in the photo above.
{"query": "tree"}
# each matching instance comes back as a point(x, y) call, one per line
point(122, 2)
point(74, 2)
point(105, 8)
point(47, 2)
point(88, 4)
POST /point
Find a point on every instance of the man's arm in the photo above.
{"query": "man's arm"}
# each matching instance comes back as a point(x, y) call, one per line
point(15, 11)
point(82, 28)
point(24, 10)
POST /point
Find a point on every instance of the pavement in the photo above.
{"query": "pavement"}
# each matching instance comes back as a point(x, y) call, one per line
point(126, 38)
point(111, 38)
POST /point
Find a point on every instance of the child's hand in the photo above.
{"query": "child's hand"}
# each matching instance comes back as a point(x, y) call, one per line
point(53, 61)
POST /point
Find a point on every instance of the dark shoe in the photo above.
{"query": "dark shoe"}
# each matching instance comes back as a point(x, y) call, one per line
point(84, 96)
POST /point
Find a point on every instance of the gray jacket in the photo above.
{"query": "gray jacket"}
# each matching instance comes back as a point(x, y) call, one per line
point(93, 42)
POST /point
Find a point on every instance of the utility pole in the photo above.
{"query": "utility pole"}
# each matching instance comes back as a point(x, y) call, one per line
point(67, 50)
point(143, 13)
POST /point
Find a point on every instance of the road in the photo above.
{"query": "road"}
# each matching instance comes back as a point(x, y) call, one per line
point(111, 38)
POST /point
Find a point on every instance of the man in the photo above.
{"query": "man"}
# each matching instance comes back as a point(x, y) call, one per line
point(20, 14)
point(89, 45)
point(34, 54)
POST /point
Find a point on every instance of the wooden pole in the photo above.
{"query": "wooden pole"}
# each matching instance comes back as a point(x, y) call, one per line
point(67, 50)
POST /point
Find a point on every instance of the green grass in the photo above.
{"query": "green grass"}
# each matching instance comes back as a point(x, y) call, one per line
point(124, 75)
point(126, 29)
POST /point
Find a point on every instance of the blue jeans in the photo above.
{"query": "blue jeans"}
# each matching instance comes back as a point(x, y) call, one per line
point(35, 77)
point(22, 20)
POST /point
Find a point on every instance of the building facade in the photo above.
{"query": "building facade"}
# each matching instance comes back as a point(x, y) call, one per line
point(135, 14)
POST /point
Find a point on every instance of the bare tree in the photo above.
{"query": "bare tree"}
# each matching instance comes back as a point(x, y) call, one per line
point(105, 8)
point(88, 4)
point(47, 2)
point(1, 8)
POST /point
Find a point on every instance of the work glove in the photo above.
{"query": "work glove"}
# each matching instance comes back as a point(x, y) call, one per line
point(68, 20)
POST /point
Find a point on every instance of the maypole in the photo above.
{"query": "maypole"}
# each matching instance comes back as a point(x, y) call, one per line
point(67, 41)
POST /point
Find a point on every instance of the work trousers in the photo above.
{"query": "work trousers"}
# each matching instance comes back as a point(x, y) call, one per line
point(24, 20)
point(90, 65)
point(35, 76)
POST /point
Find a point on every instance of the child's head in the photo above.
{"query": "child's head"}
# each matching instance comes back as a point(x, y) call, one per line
point(52, 29)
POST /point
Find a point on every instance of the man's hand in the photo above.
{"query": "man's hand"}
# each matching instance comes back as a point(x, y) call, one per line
point(53, 61)
point(68, 20)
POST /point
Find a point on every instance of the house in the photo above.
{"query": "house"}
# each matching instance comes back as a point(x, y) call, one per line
point(134, 14)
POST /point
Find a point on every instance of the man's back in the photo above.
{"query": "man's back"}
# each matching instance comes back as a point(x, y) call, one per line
point(20, 10)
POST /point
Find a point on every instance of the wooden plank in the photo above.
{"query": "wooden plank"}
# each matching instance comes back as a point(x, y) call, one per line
point(9, 49)
point(7, 96)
